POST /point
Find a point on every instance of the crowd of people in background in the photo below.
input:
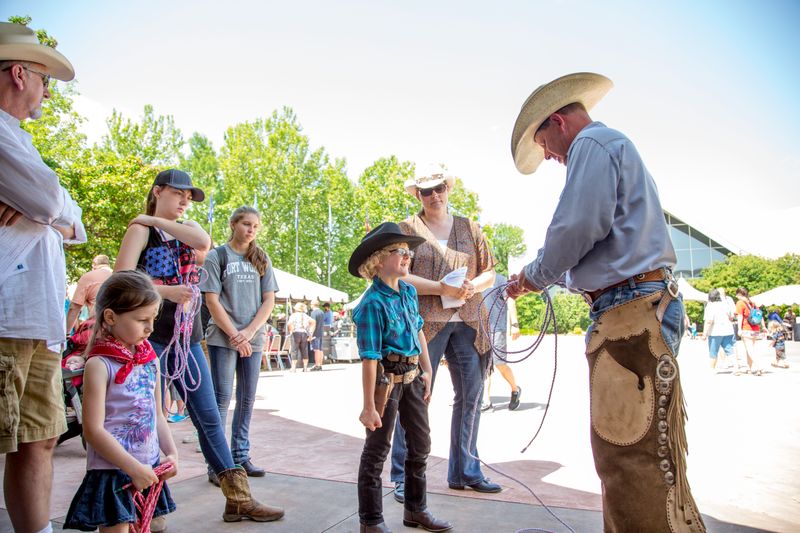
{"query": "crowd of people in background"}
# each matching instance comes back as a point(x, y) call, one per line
point(743, 333)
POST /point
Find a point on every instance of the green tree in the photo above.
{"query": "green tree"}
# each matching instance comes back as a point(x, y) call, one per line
point(155, 140)
point(269, 162)
point(506, 241)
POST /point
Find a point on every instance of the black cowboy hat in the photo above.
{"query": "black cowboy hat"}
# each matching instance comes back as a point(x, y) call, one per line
point(383, 235)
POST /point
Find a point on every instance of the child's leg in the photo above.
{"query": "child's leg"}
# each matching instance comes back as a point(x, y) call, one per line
point(413, 412)
point(376, 448)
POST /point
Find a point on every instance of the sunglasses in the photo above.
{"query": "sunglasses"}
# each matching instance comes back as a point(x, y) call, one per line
point(439, 189)
point(45, 77)
point(403, 252)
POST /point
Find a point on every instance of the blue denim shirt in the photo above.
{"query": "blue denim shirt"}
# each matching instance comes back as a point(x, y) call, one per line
point(388, 321)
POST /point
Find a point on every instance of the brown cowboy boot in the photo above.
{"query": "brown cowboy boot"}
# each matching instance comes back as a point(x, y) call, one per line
point(239, 503)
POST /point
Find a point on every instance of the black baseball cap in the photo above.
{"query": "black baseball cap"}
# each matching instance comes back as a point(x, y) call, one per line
point(178, 179)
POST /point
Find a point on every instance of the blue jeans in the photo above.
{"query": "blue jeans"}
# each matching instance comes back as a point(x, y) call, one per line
point(224, 363)
point(672, 326)
point(456, 342)
point(714, 343)
point(202, 406)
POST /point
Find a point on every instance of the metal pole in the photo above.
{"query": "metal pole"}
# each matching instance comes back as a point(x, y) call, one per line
point(296, 234)
point(330, 231)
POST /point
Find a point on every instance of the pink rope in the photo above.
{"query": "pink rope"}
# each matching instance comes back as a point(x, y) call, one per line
point(146, 506)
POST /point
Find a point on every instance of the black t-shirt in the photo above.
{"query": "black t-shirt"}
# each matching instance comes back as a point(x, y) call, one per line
point(169, 263)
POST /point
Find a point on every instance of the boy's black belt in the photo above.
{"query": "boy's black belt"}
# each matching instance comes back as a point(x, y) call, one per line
point(397, 358)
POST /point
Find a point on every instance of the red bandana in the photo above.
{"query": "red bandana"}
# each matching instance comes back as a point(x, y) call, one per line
point(112, 348)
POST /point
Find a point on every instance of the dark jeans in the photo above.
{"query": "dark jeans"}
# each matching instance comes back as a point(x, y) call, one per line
point(405, 400)
point(456, 342)
point(202, 405)
point(224, 364)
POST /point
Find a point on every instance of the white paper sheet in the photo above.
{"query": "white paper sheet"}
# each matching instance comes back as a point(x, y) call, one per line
point(454, 279)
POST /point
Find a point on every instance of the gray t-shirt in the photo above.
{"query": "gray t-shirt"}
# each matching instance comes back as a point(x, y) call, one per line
point(319, 316)
point(240, 294)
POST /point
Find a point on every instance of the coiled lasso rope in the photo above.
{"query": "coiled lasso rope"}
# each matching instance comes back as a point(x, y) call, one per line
point(517, 356)
point(181, 342)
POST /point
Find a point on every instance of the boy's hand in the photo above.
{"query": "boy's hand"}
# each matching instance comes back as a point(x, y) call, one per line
point(370, 418)
point(426, 379)
point(142, 477)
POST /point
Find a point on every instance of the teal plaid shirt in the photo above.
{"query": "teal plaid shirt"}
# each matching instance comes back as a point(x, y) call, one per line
point(388, 321)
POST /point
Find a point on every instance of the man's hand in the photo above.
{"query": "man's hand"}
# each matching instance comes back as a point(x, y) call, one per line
point(8, 215)
point(518, 286)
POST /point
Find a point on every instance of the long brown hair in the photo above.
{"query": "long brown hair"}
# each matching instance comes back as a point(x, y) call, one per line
point(122, 292)
point(254, 254)
point(150, 206)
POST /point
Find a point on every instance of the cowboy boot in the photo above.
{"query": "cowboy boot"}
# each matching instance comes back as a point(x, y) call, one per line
point(238, 501)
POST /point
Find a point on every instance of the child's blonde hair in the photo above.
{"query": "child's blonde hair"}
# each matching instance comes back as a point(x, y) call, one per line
point(774, 326)
point(123, 292)
point(369, 268)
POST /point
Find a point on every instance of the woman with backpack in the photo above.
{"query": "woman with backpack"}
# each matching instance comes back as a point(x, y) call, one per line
point(750, 319)
point(240, 294)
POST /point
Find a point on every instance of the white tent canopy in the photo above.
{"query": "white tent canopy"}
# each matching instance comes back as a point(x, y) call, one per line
point(352, 305)
point(690, 293)
point(783, 295)
point(296, 288)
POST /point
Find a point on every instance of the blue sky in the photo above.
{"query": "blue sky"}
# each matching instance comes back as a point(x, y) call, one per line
point(706, 90)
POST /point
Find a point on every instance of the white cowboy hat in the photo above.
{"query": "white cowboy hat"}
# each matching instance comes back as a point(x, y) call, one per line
point(427, 177)
point(19, 43)
point(584, 87)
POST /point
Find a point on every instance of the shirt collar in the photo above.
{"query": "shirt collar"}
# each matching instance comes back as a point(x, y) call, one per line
point(383, 288)
point(9, 119)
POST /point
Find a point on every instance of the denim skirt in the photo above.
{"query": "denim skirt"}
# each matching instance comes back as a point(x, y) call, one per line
point(100, 502)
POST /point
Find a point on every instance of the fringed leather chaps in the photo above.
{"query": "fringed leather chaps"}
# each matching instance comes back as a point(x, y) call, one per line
point(638, 417)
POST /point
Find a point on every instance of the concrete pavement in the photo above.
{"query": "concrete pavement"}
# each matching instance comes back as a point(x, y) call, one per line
point(744, 439)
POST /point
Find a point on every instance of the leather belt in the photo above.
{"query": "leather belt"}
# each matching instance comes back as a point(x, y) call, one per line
point(658, 274)
point(397, 358)
point(404, 378)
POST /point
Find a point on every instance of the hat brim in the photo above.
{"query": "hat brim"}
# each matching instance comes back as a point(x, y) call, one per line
point(370, 246)
point(411, 184)
point(585, 87)
point(197, 194)
point(54, 62)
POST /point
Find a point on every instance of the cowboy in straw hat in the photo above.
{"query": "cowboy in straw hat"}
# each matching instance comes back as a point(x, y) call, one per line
point(392, 353)
point(609, 241)
point(37, 216)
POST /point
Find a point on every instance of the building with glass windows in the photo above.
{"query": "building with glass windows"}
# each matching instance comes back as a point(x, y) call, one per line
point(695, 249)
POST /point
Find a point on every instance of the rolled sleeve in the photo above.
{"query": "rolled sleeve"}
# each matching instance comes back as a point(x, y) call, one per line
point(369, 325)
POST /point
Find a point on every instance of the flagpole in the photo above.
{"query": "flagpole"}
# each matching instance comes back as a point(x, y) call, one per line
point(296, 233)
point(330, 231)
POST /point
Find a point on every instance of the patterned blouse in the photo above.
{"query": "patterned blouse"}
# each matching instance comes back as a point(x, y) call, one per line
point(466, 246)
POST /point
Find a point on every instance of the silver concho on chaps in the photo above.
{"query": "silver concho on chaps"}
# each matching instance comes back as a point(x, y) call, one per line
point(638, 417)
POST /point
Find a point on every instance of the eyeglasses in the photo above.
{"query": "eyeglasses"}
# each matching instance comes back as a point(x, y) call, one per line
point(439, 189)
point(45, 77)
point(403, 252)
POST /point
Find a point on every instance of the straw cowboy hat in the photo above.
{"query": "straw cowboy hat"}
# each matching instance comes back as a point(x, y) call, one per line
point(584, 87)
point(19, 43)
point(383, 235)
point(427, 177)
point(300, 307)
